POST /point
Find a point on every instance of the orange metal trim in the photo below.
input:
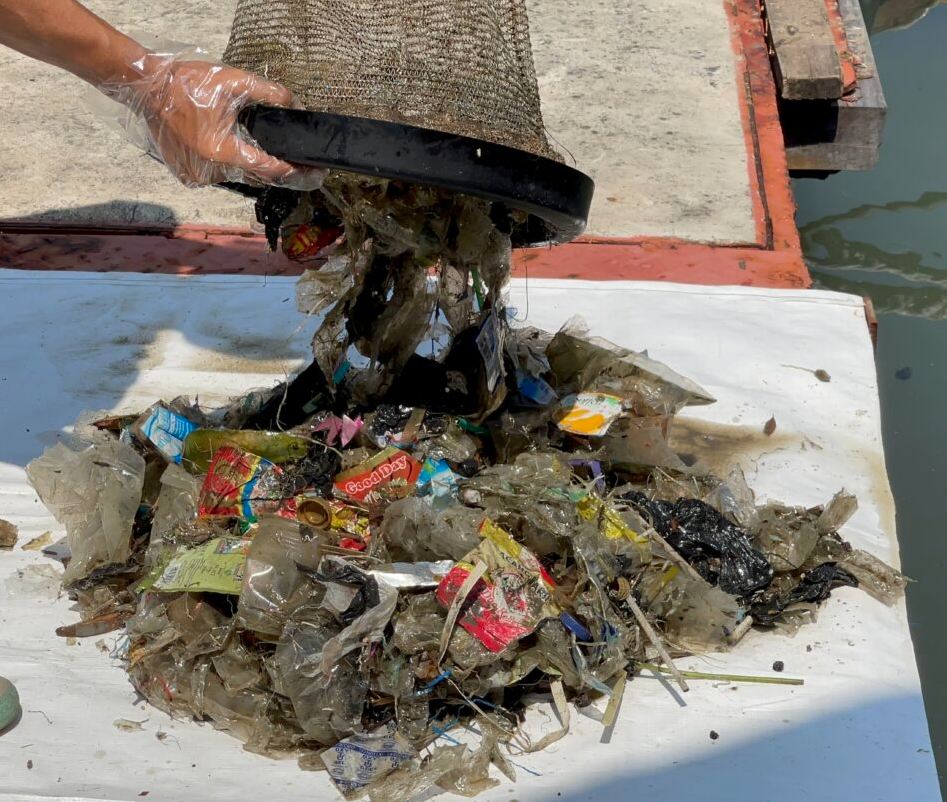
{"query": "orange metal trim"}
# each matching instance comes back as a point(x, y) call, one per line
point(182, 250)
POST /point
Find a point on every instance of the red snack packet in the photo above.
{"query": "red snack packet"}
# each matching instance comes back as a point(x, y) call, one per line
point(242, 485)
point(389, 467)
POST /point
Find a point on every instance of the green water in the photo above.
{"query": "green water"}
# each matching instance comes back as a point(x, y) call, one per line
point(883, 234)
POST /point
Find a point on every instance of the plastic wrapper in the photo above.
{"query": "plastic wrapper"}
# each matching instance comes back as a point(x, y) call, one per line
point(813, 586)
point(418, 627)
point(318, 289)
point(836, 513)
point(638, 445)
point(513, 596)
point(200, 446)
point(410, 780)
point(215, 566)
point(272, 579)
point(698, 616)
point(165, 430)
point(368, 625)
point(182, 109)
point(177, 502)
point(733, 498)
point(243, 485)
point(361, 761)
point(786, 536)
point(585, 363)
point(873, 575)
point(328, 706)
point(94, 493)
point(412, 530)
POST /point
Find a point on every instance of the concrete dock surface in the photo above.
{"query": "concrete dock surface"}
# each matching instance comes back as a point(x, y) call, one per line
point(643, 95)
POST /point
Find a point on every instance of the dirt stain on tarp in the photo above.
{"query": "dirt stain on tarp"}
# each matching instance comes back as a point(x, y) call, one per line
point(717, 446)
point(720, 445)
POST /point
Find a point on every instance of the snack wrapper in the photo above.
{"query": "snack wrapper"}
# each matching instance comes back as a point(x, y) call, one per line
point(588, 414)
point(390, 469)
point(243, 485)
point(360, 760)
point(216, 566)
point(512, 597)
point(166, 431)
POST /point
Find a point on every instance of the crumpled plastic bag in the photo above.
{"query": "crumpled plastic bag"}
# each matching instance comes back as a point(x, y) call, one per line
point(94, 493)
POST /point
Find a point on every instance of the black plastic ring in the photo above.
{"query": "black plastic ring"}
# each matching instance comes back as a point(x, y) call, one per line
point(555, 196)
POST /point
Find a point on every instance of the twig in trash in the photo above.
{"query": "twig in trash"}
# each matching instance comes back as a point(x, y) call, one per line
point(611, 709)
point(725, 677)
point(655, 641)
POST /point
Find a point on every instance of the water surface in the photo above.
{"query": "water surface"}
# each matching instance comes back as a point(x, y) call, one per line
point(883, 234)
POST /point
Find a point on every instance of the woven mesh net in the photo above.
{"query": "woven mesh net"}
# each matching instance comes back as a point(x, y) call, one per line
point(460, 66)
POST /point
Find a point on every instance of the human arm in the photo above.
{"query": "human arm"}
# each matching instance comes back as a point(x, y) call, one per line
point(190, 107)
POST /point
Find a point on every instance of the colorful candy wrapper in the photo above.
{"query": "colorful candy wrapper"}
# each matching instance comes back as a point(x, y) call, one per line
point(307, 241)
point(243, 485)
point(588, 414)
point(512, 597)
point(437, 479)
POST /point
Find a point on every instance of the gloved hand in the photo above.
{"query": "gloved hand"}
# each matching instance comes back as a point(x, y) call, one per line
point(187, 111)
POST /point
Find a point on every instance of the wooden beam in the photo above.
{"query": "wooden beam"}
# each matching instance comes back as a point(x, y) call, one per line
point(845, 134)
point(805, 58)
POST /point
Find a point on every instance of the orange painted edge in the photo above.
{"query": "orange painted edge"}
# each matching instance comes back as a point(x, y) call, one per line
point(845, 56)
point(774, 260)
point(182, 250)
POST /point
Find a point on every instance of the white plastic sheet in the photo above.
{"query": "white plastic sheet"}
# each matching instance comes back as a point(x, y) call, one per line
point(855, 730)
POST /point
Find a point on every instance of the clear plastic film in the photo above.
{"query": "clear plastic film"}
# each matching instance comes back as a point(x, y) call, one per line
point(95, 494)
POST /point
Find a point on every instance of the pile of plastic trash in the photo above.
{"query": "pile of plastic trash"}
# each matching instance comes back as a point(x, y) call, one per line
point(408, 541)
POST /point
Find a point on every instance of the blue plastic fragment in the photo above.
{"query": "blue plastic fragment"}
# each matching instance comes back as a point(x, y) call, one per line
point(574, 626)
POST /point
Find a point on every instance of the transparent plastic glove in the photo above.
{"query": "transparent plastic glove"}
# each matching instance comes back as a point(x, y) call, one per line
point(184, 110)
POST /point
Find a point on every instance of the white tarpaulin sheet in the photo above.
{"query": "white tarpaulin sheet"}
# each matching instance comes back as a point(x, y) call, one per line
point(856, 730)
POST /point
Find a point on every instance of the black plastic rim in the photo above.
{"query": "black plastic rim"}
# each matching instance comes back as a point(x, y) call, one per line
point(556, 196)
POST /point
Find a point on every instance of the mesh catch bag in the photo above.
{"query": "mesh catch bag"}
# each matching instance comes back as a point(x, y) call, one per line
point(460, 66)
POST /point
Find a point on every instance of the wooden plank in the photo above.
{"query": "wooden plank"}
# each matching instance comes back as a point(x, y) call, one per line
point(805, 58)
point(846, 134)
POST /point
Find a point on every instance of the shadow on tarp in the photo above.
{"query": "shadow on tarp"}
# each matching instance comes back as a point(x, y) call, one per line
point(876, 752)
point(74, 341)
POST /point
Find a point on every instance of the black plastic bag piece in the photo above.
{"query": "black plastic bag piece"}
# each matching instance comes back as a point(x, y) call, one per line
point(290, 405)
point(389, 419)
point(273, 206)
point(717, 548)
point(340, 573)
point(815, 586)
point(316, 471)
